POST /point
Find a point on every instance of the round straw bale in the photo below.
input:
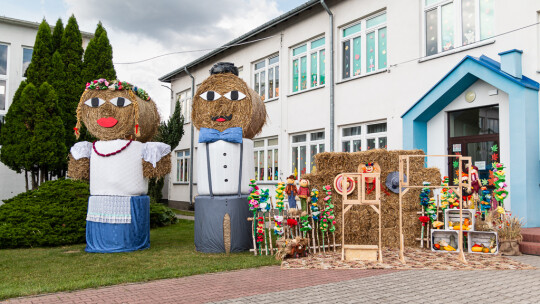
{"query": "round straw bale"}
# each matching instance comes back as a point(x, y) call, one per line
point(248, 113)
point(139, 112)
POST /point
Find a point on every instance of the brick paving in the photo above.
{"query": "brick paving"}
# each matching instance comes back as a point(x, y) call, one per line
point(420, 286)
point(206, 288)
point(273, 285)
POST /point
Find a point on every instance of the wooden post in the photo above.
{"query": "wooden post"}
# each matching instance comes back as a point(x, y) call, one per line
point(343, 199)
point(270, 229)
point(312, 230)
point(401, 240)
point(253, 235)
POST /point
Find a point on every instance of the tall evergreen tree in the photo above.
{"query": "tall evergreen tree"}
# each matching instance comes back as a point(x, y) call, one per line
point(171, 133)
point(39, 69)
point(15, 135)
point(98, 57)
point(57, 80)
point(47, 150)
point(71, 52)
point(71, 45)
point(57, 34)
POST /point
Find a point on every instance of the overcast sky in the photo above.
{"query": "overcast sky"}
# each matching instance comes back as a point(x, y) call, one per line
point(140, 29)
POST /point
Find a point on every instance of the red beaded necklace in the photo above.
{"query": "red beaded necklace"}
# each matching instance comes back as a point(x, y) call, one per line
point(112, 153)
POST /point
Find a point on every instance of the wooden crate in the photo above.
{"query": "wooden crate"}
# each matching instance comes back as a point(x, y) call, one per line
point(437, 235)
point(482, 238)
point(452, 215)
point(361, 252)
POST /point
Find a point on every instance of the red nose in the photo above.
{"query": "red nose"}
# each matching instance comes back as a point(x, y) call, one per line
point(107, 122)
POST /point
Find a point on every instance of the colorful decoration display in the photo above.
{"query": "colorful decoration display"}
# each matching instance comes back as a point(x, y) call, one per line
point(278, 228)
point(304, 224)
point(280, 196)
point(500, 193)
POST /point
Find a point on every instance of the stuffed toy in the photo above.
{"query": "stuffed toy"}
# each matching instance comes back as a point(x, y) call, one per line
point(123, 118)
point(291, 191)
point(228, 114)
point(304, 193)
point(369, 167)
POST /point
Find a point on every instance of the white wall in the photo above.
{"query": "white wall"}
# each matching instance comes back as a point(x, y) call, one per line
point(386, 95)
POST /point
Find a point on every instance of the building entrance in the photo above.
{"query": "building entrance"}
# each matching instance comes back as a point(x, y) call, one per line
point(472, 132)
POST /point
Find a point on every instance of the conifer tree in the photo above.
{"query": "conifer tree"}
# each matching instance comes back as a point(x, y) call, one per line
point(71, 52)
point(57, 34)
point(39, 69)
point(171, 133)
point(57, 80)
point(98, 57)
point(47, 150)
point(15, 135)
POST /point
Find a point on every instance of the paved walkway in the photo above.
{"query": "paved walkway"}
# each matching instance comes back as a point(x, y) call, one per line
point(273, 285)
point(185, 217)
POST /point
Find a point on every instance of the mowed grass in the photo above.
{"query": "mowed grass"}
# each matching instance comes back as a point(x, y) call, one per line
point(172, 254)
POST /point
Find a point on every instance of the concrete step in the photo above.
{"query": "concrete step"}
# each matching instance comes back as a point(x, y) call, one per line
point(531, 234)
point(529, 248)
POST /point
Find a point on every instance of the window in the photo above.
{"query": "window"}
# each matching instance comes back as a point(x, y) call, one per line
point(363, 46)
point(182, 166)
point(304, 148)
point(184, 98)
point(453, 23)
point(266, 159)
point(363, 137)
point(26, 58)
point(301, 70)
point(266, 77)
point(3, 75)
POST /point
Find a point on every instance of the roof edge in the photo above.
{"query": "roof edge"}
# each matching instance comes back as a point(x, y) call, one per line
point(35, 25)
point(167, 77)
point(488, 63)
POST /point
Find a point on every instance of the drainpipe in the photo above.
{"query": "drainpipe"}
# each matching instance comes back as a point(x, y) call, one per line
point(332, 123)
point(191, 147)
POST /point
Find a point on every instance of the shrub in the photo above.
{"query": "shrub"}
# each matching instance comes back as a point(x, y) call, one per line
point(161, 215)
point(52, 215)
point(55, 215)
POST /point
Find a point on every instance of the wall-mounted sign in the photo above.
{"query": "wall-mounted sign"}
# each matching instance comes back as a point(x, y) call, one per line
point(456, 148)
point(480, 164)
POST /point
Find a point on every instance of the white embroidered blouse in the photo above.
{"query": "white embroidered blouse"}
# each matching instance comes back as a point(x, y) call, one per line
point(120, 174)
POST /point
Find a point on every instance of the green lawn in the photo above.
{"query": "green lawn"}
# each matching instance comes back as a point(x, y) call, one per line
point(172, 254)
point(183, 212)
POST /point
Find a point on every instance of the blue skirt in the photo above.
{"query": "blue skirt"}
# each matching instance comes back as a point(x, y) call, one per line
point(107, 238)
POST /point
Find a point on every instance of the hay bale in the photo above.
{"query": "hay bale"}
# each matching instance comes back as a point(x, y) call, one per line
point(79, 169)
point(248, 113)
point(163, 167)
point(227, 232)
point(361, 222)
point(143, 113)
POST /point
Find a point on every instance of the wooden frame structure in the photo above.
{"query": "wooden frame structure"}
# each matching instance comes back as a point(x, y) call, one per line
point(404, 165)
point(346, 205)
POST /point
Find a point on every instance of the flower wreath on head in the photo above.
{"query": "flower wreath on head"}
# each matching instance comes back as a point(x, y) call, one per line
point(103, 84)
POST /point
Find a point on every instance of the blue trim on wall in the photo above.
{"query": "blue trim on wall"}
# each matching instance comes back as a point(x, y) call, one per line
point(523, 119)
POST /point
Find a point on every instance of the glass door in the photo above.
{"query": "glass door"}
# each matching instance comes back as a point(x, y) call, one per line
point(472, 132)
